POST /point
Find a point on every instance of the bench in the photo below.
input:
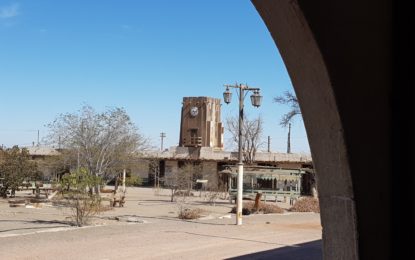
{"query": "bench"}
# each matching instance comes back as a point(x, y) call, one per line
point(45, 191)
point(120, 201)
point(267, 195)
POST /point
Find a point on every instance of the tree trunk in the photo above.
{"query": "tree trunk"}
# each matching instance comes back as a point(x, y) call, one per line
point(172, 196)
point(116, 184)
point(97, 186)
point(97, 189)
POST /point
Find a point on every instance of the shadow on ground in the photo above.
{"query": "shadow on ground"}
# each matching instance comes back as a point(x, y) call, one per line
point(38, 221)
point(310, 251)
point(165, 218)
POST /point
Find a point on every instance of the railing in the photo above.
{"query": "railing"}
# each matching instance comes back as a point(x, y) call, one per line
point(266, 194)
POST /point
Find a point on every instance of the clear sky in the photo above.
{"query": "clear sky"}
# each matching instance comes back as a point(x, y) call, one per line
point(144, 56)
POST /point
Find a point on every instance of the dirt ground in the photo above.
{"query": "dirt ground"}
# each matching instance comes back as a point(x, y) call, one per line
point(147, 227)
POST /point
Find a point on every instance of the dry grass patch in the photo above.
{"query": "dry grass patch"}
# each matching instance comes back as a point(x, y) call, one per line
point(306, 204)
point(186, 213)
point(264, 208)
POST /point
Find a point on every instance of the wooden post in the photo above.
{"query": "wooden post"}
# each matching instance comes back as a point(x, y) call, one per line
point(257, 199)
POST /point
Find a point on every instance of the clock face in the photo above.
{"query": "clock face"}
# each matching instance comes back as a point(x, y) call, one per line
point(194, 111)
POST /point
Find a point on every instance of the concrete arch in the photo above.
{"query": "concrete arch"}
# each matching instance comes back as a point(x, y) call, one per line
point(338, 55)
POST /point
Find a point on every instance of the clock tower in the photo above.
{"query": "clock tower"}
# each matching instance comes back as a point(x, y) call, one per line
point(200, 123)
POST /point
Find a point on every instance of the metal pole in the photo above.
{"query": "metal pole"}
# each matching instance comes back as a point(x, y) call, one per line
point(240, 163)
point(123, 180)
point(269, 144)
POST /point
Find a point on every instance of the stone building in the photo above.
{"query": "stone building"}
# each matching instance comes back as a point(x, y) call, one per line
point(201, 143)
point(213, 161)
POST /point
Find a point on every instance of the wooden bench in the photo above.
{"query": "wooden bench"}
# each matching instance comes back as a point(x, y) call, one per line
point(45, 191)
point(120, 201)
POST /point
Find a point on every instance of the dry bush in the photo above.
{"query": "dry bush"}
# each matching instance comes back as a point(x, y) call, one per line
point(270, 208)
point(212, 196)
point(264, 208)
point(306, 204)
point(216, 192)
point(75, 191)
point(186, 213)
point(184, 193)
point(107, 191)
point(84, 207)
point(105, 208)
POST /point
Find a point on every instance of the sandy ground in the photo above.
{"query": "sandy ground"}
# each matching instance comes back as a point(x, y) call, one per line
point(147, 227)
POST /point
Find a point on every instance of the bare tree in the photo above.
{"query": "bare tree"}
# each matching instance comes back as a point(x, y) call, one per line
point(182, 180)
point(251, 136)
point(96, 141)
point(288, 98)
point(154, 168)
point(216, 191)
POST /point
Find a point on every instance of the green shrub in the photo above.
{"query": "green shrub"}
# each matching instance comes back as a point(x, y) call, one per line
point(76, 189)
point(133, 181)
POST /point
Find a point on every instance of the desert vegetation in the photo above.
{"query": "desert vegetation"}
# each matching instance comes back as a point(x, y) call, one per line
point(306, 204)
point(262, 208)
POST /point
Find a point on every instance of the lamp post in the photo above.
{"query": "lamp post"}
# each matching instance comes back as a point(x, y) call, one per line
point(256, 99)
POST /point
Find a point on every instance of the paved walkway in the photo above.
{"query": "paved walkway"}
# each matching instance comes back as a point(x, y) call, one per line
point(148, 228)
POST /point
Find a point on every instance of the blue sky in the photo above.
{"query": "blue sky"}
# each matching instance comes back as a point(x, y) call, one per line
point(144, 56)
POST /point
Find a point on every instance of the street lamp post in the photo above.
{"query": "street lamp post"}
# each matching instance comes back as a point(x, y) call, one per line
point(256, 99)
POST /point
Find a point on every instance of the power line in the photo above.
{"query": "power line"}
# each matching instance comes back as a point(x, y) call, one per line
point(18, 130)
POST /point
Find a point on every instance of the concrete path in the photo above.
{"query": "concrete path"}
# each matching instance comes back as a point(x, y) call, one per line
point(30, 233)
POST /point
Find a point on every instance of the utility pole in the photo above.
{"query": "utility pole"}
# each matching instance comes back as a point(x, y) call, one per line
point(38, 137)
point(289, 139)
point(162, 136)
point(269, 144)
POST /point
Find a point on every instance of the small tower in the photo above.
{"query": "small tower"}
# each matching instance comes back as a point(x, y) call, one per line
point(201, 125)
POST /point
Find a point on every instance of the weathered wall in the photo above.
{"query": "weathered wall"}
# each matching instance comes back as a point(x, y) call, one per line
point(171, 167)
point(207, 122)
point(338, 56)
point(210, 173)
